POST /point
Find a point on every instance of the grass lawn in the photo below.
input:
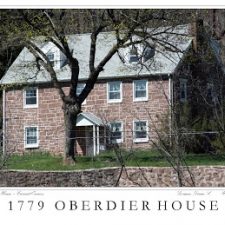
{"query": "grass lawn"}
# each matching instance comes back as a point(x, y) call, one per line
point(44, 161)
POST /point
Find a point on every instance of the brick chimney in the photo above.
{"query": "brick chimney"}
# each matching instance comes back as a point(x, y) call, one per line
point(197, 31)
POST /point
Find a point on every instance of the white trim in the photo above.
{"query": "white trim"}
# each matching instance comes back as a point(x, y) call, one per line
point(36, 145)
point(135, 56)
point(117, 141)
point(98, 144)
point(51, 48)
point(94, 140)
point(140, 140)
point(126, 53)
point(29, 106)
point(83, 122)
point(121, 92)
point(135, 99)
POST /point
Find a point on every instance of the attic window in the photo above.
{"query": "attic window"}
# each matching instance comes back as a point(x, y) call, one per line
point(148, 53)
point(51, 58)
point(133, 57)
point(144, 53)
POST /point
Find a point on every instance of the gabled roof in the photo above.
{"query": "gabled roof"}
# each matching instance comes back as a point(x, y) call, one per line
point(88, 119)
point(24, 68)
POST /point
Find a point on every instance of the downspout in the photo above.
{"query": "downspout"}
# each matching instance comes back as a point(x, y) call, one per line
point(171, 91)
point(170, 104)
point(4, 123)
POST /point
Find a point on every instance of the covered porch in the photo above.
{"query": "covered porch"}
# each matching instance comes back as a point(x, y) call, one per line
point(91, 134)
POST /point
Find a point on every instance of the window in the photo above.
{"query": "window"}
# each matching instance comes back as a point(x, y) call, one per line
point(211, 95)
point(116, 132)
point(31, 137)
point(115, 91)
point(140, 131)
point(209, 89)
point(148, 53)
point(31, 97)
point(140, 90)
point(51, 58)
point(133, 57)
point(183, 90)
point(80, 87)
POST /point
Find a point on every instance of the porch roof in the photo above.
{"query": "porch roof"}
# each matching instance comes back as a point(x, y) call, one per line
point(88, 119)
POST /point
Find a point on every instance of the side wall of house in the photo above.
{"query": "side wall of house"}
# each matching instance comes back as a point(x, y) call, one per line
point(48, 116)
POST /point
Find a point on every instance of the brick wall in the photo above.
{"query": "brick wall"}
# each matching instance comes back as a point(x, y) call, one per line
point(49, 115)
point(204, 176)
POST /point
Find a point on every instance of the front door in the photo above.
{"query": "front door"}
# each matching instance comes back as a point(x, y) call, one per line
point(89, 141)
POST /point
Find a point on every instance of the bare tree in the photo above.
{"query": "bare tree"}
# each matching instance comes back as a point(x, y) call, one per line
point(54, 26)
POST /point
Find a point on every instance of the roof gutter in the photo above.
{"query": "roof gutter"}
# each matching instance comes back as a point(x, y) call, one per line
point(155, 76)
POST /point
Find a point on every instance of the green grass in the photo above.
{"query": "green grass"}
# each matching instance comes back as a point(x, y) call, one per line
point(45, 161)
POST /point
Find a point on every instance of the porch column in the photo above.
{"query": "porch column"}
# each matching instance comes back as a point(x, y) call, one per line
point(94, 140)
point(98, 140)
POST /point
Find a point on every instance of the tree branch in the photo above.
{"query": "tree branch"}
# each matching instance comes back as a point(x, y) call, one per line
point(39, 55)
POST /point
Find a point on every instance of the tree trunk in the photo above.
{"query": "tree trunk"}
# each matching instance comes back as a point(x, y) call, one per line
point(70, 117)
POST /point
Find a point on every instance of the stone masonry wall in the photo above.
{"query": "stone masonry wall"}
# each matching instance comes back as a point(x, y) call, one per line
point(48, 116)
point(204, 176)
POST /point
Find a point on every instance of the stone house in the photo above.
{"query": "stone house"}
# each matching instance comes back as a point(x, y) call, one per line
point(128, 98)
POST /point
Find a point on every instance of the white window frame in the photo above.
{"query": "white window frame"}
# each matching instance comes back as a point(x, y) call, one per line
point(183, 82)
point(25, 105)
point(35, 145)
point(121, 91)
point(117, 141)
point(51, 49)
point(135, 54)
point(140, 140)
point(136, 99)
point(84, 102)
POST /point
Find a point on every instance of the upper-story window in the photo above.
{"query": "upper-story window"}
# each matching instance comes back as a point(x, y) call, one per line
point(183, 90)
point(31, 97)
point(140, 90)
point(115, 91)
point(116, 132)
point(80, 87)
point(51, 58)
